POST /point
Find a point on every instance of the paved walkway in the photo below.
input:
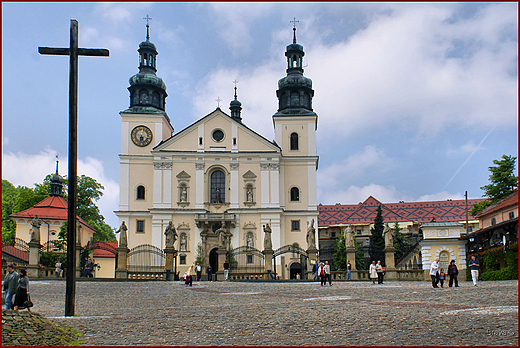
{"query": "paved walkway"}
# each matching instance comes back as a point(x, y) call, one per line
point(285, 313)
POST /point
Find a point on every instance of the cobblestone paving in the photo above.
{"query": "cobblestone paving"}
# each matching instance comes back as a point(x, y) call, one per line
point(285, 313)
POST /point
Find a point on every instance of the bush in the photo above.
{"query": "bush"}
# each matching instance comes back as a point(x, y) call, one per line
point(49, 258)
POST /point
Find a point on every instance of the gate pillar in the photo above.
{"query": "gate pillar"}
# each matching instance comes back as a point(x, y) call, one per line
point(171, 254)
point(351, 256)
point(268, 261)
point(390, 263)
point(122, 253)
point(313, 252)
point(33, 269)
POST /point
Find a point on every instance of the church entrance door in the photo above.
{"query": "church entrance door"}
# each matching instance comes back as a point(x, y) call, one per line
point(213, 260)
point(296, 271)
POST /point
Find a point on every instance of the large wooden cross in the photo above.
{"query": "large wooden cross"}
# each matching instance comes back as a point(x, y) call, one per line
point(73, 51)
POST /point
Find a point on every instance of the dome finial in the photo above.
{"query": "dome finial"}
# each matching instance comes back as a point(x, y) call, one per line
point(235, 82)
point(57, 161)
point(147, 27)
point(235, 106)
point(294, 21)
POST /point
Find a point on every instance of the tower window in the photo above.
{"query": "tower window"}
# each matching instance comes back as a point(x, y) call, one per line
point(218, 187)
point(295, 225)
point(139, 226)
point(200, 140)
point(140, 192)
point(294, 141)
point(295, 194)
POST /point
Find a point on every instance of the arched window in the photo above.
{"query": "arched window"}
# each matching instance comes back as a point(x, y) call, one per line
point(294, 141)
point(155, 99)
point(140, 192)
point(295, 194)
point(143, 96)
point(218, 187)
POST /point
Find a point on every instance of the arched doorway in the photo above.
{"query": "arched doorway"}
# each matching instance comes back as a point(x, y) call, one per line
point(444, 260)
point(213, 260)
point(296, 271)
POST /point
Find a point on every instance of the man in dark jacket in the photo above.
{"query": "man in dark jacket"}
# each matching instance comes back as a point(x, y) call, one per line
point(226, 270)
point(452, 273)
point(209, 271)
point(10, 285)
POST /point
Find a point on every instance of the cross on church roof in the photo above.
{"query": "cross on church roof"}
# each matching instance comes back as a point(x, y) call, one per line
point(218, 100)
point(235, 81)
point(294, 21)
point(147, 27)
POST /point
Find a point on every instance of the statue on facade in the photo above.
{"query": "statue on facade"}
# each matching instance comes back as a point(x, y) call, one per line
point(267, 239)
point(217, 195)
point(250, 243)
point(171, 235)
point(222, 236)
point(311, 235)
point(184, 195)
point(36, 222)
point(388, 234)
point(183, 242)
point(349, 237)
point(122, 238)
point(250, 195)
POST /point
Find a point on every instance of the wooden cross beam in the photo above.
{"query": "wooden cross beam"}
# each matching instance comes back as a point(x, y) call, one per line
point(73, 51)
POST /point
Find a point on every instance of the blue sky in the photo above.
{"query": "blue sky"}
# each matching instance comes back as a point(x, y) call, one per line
point(414, 101)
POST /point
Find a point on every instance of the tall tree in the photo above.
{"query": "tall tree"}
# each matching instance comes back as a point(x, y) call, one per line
point(377, 241)
point(401, 243)
point(8, 202)
point(503, 182)
point(339, 257)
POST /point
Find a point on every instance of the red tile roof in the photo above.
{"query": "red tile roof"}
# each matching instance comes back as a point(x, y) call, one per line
point(11, 250)
point(52, 207)
point(104, 249)
point(420, 212)
point(507, 202)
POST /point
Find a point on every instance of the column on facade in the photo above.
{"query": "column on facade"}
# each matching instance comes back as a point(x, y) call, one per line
point(124, 184)
point(275, 185)
point(234, 194)
point(158, 222)
point(167, 185)
point(199, 186)
point(264, 182)
point(157, 184)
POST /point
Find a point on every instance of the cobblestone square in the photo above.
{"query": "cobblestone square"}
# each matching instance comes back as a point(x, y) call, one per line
point(285, 313)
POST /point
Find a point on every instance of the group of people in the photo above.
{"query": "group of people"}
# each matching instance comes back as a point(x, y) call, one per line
point(88, 268)
point(438, 274)
point(377, 272)
point(16, 286)
point(323, 272)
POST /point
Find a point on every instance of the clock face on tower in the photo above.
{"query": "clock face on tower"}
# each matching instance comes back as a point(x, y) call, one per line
point(141, 135)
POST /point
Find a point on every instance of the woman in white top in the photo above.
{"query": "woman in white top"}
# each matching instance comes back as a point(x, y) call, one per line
point(373, 272)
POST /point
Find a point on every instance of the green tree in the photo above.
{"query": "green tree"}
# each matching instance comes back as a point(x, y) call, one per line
point(377, 242)
point(8, 202)
point(401, 243)
point(503, 182)
point(199, 255)
point(339, 257)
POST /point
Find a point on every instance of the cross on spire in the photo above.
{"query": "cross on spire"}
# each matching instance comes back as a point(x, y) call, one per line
point(294, 21)
point(235, 82)
point(218, 100)
point(147, 27)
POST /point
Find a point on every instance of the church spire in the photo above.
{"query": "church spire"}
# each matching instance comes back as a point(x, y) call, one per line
point(295, 91)
point(235, 106)
point(147, 90)
point(57, 182)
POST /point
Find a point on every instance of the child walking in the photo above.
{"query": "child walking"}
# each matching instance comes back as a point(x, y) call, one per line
point(442, 276)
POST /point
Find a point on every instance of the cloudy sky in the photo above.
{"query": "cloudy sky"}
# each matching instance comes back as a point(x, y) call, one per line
point(414, 101)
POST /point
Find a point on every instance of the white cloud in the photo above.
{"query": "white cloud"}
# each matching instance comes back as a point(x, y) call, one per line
point(355, 194)
point(28, 169)
point(469, 147)
point(440, 196)
point(235, 19)
point(118, 13)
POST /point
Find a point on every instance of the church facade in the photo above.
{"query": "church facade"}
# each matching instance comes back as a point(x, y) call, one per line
point(218, 174)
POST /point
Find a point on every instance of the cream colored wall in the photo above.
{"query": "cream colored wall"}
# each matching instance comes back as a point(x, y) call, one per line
point(295, 175)
point(24, 228)
point(431, 249)
point(107, 269)
point(134, 238)
point(500, 216)
point(141, 173)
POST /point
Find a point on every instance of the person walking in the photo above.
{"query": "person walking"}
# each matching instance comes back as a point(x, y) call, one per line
point(315, 269)
point(453, 273)
point(434, 270)
point(328, 276)
point(226, 270)
point(188, 276)
point(198, 268)
point(321, 272)
point(373, 272)
point(349, 268)
point(474, 267)
point(379, 271)
point(22, 293)
point(10, 284)
point(209, 271)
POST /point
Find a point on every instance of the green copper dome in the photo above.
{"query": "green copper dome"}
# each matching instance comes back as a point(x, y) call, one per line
point(147, 79)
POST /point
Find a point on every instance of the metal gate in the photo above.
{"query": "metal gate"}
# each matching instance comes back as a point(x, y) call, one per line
point(247, 260)
point(146, 258)
point(303, 257)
